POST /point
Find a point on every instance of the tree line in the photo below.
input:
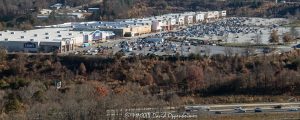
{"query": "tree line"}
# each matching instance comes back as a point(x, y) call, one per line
point(95, 84)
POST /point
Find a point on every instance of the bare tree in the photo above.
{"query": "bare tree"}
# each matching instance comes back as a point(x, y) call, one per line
point(3, 54)
point(195, 77)
point(258, 39)
point(82, 68)
point(274, 38)
point(287, 38)
point(294, 33)
point(1, 26)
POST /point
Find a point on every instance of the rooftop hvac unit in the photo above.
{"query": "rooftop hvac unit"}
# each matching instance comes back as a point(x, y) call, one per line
point(12, 32)
point(0, 34)
point(24, 31)
point(58, 32)
point(22, 37)
point(70, 34)
point(31, 40)
point(47, 37)
point(59, 35)
point(46, 33)
point(35, 35)
point(6, 39)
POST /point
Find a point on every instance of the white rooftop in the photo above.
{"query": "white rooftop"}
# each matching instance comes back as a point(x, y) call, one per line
point(45, 34)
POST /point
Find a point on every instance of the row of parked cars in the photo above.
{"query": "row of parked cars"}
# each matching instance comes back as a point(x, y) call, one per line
point(93, 51)
point(156, 46)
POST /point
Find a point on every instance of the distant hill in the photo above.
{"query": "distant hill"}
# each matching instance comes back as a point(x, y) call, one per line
point(112, 9)
point(21, 14)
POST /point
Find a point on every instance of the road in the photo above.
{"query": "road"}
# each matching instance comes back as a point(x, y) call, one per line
point(226, 109)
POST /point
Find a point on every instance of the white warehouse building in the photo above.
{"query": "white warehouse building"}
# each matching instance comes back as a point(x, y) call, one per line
point(41, 40)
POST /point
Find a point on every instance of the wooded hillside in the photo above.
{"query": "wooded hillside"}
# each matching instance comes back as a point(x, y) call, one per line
point(94, 84)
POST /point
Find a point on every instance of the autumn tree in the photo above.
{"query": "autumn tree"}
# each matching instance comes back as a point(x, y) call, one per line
point(195, 77)
point(3, 55)
point(102, 91)
point(82, 69)
point(18, 65)
point(148, 79)
point(287, 38)
point(274, 38)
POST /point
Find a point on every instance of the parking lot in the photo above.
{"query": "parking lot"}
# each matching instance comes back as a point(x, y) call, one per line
point(185, 48)
point(232, 30)
point(203, 39)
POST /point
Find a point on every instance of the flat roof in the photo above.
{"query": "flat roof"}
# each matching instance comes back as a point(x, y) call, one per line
point(124, 23)
point(38, 35)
